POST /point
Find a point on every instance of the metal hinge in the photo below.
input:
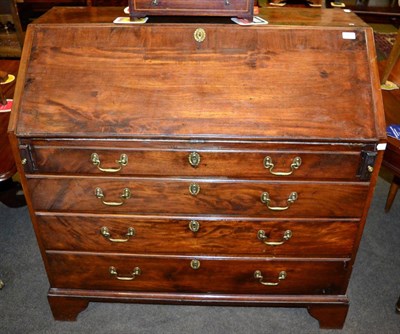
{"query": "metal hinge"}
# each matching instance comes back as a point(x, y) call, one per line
point(27, 160)
point(367, 164)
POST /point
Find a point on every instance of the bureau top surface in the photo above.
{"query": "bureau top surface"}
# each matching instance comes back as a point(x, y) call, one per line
point(308, 75)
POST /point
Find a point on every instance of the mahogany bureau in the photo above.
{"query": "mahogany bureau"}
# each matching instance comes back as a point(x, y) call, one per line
point(199, 162)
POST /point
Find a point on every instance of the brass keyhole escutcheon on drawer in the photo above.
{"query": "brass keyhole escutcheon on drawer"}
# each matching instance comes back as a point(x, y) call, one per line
point(268, 164)
point(267, 201)
point(194, 226)
point(126, 194)
point(261, 235)
point(194, 189)
point(106, 234)
point(258, 275)
point(122, 162)
point(194, 159)
point(199, 35)
point(195, 264)
point(136, 272)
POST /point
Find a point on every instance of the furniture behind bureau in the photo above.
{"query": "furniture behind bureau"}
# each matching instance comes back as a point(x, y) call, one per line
point(391, 102)
point(231, 8)
point(10, 191)
point(199, 162)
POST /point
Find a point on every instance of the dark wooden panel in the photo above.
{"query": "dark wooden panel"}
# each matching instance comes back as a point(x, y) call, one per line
point(290, 16)
point(174, 274)
point(220, 236)
point(242, 8)
point(7, 165)
point(233, 163)
point(391, 158)
point(188, 6)
point(216, 197)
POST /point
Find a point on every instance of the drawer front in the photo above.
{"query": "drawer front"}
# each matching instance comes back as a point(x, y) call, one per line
point(273, 164)
point(311, 3)
point(213, 275)
point(197, 236)
point(185, 7)
point(214, 197)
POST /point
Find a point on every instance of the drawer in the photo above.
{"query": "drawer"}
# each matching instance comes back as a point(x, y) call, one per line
point(248, 164)
point(310, 3)
point(213, 275)
point(197, 236)
point(185, 7)
point(214, 197)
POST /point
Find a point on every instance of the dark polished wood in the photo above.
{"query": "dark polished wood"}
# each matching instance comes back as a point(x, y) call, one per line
point(328, 315)
point(29, 10)
point(156, 94)
point(391, 100)
point(7, 164)
point(108, 3)
point(289, 16)
point(171, 159)
point(10, 192)
point(387, 12)
point(170, 235)
point(59, 296)
point(169, 196)
point(294, 3)
point(66, 308)
point(238, 8)
point(174, 273)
